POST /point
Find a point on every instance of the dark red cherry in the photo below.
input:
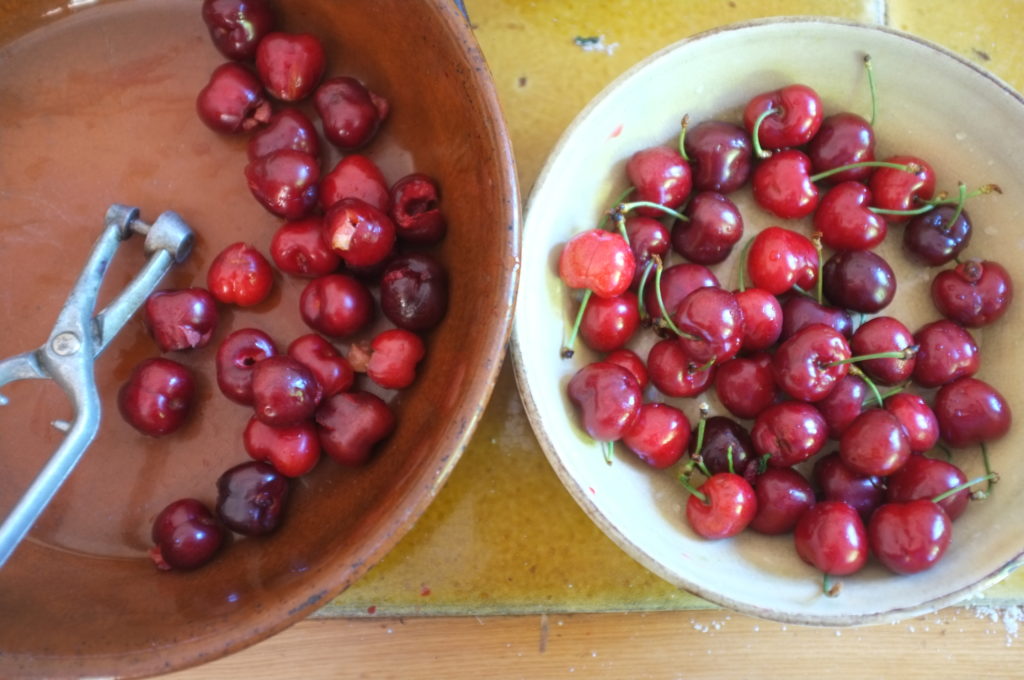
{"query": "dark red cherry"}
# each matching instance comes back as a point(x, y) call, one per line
point(874, 444)
point(917, 418)
point(677, 282)
point(352, 424)
point(285, 182)
point(727, 507)
point(361, 235)
point(859, 280)
point(970, 412)
point(674, 372)
point(712, 324)
point(290, 64)
point(842, 139)
point(609, 323)
point(180, 319)
point(659, 435)
point(232, 101)
point(838, 482)
point(937, 236)
point(416, 209)
point(945, 352)
point(975, 293)
point(350, 112)
point(925, 478)
point(607, 398)
point(237, 26)
point(720, 154)
point(355, 176)
point(808, 365)
point(336, 305)
point(293, 450)
point(298, 248)
point(287, 129)
point(186, 535)
point(843, 404)
point(284, 391)
point(782, 185)
point(597, 260)
point(157, 398)
point(724, 440)
point(845, 221)
point(746, 385)
point(781, 258)
point(714, 228)
point(789, 433)
point(884, 334)
point(332, 371)
point(393, 356)
point(902, 190)
point(800, 311)
point(240, 275)
point(251, 498)
point(647, 237)
point(831, 537)
point(795, 117)
point(783, 495)
point(909, 537)
point(659, 175)
point(414, 292)
point(762, 318)
point(237, 356)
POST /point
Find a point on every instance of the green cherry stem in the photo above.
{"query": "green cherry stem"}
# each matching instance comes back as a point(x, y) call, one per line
point(744, 256)
point(961, 199)
point(692, 490)
point(642, 287)
point(829, 587)
point(665, 318)
point(759, 151)
point(567, 348)
point(618, 201)
point(941, 199)
point(905, 167)
point(620, 224)
point(990, 477)
point(682, 137)
point(904, 354)
point(855, 370)
point(728, 458)
point(626, 207)
point(609, 450)
point(699, 445)
point(816, 240)
point(871, 88)
point(878, 397)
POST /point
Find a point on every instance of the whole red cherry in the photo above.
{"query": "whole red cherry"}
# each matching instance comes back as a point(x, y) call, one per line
point(237, 355)
point(290, 64)
point(287, 129)
point(712, 324)
point(880, 335)
point(975, 293)
point(180, 319)
point(285, 182)
point(746, 385)
point(970, 412)
point(909, 537)
point(607, 398)
point(659, 175)
point(298, 248)
point(352, 424)
point(350, 112)
point(762, 318)
point(783, 495)
point(186, 535)
point(875, 443)
point(293, 450)
point(901, 190)
point(674, 372)
point(414, 292)
point(843, 404)
point(336, 305)
point(808, 364)
point(794, 116)
point(609, 323)
point(251, 498)
point(157, 398)
point(925, 478)
point(945, 352)
point(789, 433)
point(659, 435)
point(332, 371)
point(597, 260)
point(830, 536)
point(284, 391)
point(355, 176)
point(843, 138)
point(240, 275)
point(781, 258)
point(237, 26)
point(720, 154)
point(836, 481)
point(714, 227)
point(394, 354)
point(722, 506)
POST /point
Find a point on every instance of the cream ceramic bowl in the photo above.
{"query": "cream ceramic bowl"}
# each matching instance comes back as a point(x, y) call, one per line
point(933, 104)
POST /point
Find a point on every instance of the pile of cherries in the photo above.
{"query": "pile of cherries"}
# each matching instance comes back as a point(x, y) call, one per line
point(345, 231)
point(801, 352)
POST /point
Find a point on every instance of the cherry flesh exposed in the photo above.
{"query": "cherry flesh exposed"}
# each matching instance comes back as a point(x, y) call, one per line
point(293, 450)
point(783, 495)
point(659, 435)
point(181, 319)
point(298, 248)
point(240, 275)
point(789, 433)
point(232, 101)
point(607, 398)
point(414, 292)
point(158, 396)
point(714, 228)
point(237, 26)
point(237, 356)
point(332, 371)
point(909, 537)
point(945, 352)
point(874, 444)
point(359, 233)
point(186, 535)
point(674, 372)
point(975, 293)
point(609, 323)
point(352, 424)
point(416, 209)
point(284, 391)
point(728, 506)
point(336, 305)
point(843, 138)
point(720, 154)
point(285, 182)
point(290, 64)
point(970, 412)
point(859, 280)
point(251, 498)
point(355, 176)
point(350, 112)
point(287, 129)
point(831, 537)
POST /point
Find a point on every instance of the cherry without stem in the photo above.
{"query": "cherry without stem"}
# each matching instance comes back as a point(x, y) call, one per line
point(971, 412)
point(874, 444)
point(158, 396)
point(859, 280)
point(232, 101)
point(659, 435)
point(251, 498)
point(831, 537)
point(290, 64)
point(355, 176)
point(293, 450)
point(352, 425)
point(836, 481)
point(350, 112)
point(336, 305)
point(607, 398)
point(414, 292)
point(659, 175)
point(609, 323)
point(237, 26)
point(285, 182)
point(298, 249)
point(358, 233)
point(945, 352)
point(789, 433)
point(714, 227)
point(783, 495)
point(720, 154)
point(416, 209)
point(909, 537)
point(186, 535)
point(843, 138)
point(287, 129)
point(181, 319)
point(237, 355)
point(284, 391)
point(674, 372)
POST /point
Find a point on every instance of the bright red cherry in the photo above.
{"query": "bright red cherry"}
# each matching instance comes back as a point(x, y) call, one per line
point(608, 399)
point(237, 356)
point(844, 220)
point(240, 275)
point(925, 478)
point(843, 138)
point(807, 365)
point(794, 118)
point(723, 506)
point(712, 324)
point(332, 371)
point(659, 435)
point(874, 444)
point(659, 175)
point(157, 398)
point(647, 237)
point(783, 495)
point(232, 101)
point(837, 482)
point(597, 260)
point(355, 176)
point(237, 26)
point(284, 391)
point(714, 228)
point(350, 112)
point(746, 385)
point(285, 182)
point(290, 64)
point(789, 433)
point(674, 372)
point(336, 305)
point(970, 411)
point(917, 418)
point(975, 293)
point(298, 248)
point(352, 424)
point(782, 185)
point(895, 189)
point(394, 354)
point(358, 233)
point(831, 537)
point(909, 537)
point(416, 209)
point(287, 129)
point(186, 535)
point(609, 323)
point(293, 450)
point(780, 258)
point(880, 335)
point(945, 352)
point(630, 361)
point(720, 154)
point(180, 319)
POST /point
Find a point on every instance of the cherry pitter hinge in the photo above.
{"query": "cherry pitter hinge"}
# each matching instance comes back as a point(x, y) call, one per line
point(78, 337)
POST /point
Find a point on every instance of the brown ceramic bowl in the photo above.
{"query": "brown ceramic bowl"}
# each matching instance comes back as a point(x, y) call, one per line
point(99, 109)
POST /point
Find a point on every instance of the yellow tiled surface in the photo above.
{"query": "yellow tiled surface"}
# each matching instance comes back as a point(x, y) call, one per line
point(503, 536)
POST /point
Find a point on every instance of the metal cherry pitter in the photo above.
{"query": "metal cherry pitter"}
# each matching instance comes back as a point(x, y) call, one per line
point(78, 337)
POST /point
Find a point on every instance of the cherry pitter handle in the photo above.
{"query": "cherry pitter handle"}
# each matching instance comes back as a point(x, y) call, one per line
point(77, 338)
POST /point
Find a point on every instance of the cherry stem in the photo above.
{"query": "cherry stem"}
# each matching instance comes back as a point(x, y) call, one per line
point(762, 463)
point(623, 208)
point(728, 457)
point(691, 369)
point(609, 451)
point(991, 478)
point(816, 240)
point(641, 287)
point(875, 398)
point(692, 490)
point(618, 201)
point(567, 348)
point(962, 198)
point(620, 224)
point(805, 293)
point(758, 149)
point(682, 137)
point(855, 370)
point(744, 256)
point(699, 445)
point(871, 88)
point(904, 354)
point(661, 302)
point(905, 167)
point(941, 199)
point(830, 588)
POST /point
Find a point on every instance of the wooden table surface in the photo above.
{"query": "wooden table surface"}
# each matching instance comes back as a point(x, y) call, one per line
point(544, 78)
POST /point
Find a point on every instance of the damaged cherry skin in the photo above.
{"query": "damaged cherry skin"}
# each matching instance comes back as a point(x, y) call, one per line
point(237, 356)
point(414, 292)
point(181, 319)
point(287, 129)
point(358, 233)
point(416, 209)
point(232, 102)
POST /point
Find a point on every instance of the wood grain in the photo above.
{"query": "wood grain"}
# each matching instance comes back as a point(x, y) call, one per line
point(956, 642)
